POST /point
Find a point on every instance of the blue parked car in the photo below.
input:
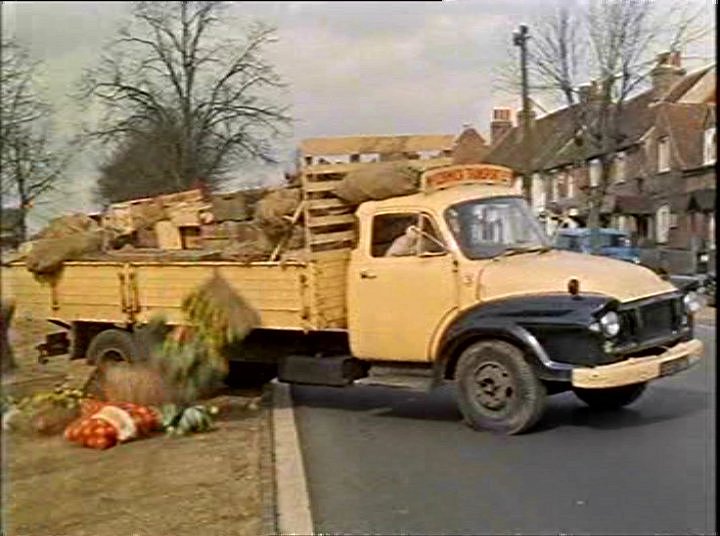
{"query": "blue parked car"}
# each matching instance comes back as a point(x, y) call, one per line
point(612, 243)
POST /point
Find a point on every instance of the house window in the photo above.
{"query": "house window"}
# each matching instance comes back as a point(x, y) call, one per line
point(561, 180)
point(663, 154)
point(619, 167)
point(710, 146)
point(662, 223)
point(595, 173)
point(570, 178)
point(711, 230)
point(538, 192)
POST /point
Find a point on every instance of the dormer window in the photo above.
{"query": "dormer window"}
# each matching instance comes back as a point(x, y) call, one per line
point(710, 146)
point(663, 154)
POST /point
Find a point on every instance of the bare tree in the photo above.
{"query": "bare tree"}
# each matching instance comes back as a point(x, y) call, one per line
point(170, 73)
point(32, 164)
point(614, 44)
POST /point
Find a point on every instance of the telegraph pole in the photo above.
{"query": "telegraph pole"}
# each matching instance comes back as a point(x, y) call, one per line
point(520, 38)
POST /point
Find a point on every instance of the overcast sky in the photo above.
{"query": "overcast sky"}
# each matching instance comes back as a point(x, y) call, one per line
point(352, 67)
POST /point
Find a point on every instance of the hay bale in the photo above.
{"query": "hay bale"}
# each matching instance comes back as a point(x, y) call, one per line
point(44, 418)
point(274, 211)
point(146, 237)
point(296, 239)
point(67, 226)
point(248, 251)
point(146, 215)
point(48, 254)
point(218, 310)
point(138, 383)
point(377, 182)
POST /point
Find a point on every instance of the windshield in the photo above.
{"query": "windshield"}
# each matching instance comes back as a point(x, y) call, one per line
point(580, 242)
point(486, 228)
point(614, 241)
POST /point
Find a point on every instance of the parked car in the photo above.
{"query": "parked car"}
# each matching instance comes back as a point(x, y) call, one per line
point(613, 243)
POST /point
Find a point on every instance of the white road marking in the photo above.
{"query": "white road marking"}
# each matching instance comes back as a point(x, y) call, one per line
point(293, 501)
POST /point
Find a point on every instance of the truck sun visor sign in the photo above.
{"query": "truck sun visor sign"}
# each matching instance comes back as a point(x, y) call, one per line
point(468, 174)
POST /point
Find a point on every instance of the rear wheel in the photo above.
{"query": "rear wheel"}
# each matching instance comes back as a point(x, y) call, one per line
point(612, 397)
point(109, 348)
point(242, 374)
point(497, 389)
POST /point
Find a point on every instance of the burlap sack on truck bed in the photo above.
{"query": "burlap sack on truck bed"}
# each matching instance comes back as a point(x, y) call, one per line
point(67, 226)
point(236, 206)
point(48, 254)
point(274, 212)
point(377, 182)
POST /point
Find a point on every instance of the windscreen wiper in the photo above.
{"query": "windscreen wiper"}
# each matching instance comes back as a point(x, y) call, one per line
point(516, 251)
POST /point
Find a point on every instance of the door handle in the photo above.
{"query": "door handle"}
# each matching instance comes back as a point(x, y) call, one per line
point(365, 274)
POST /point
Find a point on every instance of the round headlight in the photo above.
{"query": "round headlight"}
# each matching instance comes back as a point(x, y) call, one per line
point(691, 301)
point(610, 324)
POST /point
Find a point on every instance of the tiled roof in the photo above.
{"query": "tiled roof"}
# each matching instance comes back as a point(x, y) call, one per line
point(470, 147)
point(550, 134)
point(554, 133)
point(685, 123)
point(687, 83)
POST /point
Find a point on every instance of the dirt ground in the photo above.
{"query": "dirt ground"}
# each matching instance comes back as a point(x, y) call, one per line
point(217, 483)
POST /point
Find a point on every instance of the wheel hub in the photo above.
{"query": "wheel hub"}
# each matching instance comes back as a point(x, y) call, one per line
point(493, 385)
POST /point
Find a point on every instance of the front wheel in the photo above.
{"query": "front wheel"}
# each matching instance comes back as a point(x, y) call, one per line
point(612, 397)
point(497, 389)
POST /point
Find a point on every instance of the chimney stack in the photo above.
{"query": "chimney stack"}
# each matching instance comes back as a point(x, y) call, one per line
point(500, 124)
point(521, 120)
point(588, 93)
point(666, 73)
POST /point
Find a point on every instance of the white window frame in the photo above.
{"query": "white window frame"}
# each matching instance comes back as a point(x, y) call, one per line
point(662, 224)
point(620, 167)
point(663, 154)
point(538, 192)
point(711, 230)
point(595, 172)
point(570, 183)
point(709, 146)
point(554, 175)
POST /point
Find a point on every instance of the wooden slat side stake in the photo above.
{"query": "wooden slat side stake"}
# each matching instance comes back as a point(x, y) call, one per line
point(284, 239)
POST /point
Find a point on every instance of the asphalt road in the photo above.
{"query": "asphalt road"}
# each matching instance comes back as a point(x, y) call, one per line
point(389, 461)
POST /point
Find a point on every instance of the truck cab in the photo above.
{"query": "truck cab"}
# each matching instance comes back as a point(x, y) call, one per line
point(483, 297)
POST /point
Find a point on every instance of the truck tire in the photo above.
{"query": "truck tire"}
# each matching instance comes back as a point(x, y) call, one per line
point(249, 375)
point(113, 345)
point(612, 397)
point(109, 348)
point(497, 389)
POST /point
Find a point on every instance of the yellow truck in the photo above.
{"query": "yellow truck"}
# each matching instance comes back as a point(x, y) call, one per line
point(457, 280)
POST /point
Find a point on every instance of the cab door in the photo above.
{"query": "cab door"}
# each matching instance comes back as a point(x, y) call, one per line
point(396, 302)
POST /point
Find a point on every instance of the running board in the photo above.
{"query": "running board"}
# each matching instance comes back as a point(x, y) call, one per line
point(399, 378)
point(334, 371)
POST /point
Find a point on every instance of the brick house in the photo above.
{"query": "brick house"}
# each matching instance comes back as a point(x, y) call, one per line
point(663, 178)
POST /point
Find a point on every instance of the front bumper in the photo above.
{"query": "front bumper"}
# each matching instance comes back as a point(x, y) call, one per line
point(639, 369)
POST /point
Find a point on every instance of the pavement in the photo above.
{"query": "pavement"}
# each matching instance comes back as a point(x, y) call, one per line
point(391, 461)
point(706, 315)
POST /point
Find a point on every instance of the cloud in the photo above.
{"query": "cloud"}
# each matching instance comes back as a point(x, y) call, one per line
point(352, 67)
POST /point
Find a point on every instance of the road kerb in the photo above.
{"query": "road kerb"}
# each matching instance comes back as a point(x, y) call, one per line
point(293, 501)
